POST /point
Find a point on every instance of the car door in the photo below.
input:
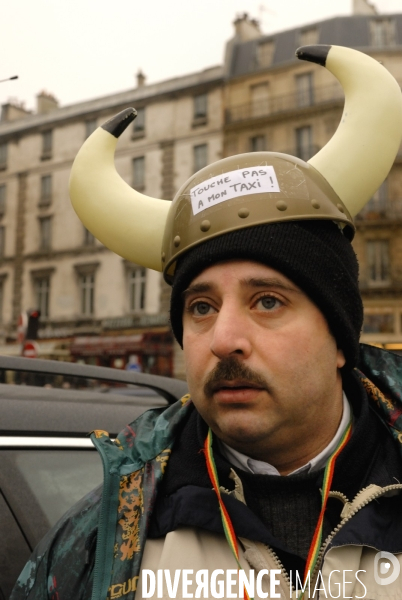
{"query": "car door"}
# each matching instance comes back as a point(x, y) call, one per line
point(14, 548)
point(40, 479)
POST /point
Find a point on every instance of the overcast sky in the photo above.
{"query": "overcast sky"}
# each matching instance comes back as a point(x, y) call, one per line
point(81, 49)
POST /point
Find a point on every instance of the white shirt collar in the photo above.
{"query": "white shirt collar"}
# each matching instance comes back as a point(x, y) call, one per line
point(258, 467)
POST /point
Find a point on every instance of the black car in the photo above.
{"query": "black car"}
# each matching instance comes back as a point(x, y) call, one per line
point(47, 461)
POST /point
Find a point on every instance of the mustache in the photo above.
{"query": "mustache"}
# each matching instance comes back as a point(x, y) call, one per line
point(231, 369)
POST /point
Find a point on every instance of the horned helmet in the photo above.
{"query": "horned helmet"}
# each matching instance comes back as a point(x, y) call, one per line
point(247, 189)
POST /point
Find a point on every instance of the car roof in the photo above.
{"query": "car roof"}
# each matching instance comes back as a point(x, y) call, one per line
point(38, 410)
point(170, 388)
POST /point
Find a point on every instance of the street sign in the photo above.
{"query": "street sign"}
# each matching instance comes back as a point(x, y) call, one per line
point(30, 349)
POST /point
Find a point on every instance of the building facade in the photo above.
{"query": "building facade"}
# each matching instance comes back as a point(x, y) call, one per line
point(275, 102)
point(96, 307)
point(100, 309)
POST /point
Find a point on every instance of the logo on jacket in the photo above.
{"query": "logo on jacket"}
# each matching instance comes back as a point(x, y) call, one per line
point(386, 568)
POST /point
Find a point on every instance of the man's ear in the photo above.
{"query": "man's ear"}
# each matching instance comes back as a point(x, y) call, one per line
point(340, 358)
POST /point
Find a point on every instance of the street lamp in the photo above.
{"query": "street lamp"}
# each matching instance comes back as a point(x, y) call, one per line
point(9, 78)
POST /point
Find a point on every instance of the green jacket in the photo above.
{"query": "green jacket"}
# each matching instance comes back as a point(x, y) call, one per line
point(115, 518)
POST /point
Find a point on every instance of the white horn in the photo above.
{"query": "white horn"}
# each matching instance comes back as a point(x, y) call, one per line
point(359, 156)
point(129, 223)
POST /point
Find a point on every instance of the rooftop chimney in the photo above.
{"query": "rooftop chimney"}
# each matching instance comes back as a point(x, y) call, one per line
point(363, 7)
point(140, 79)
point(13, 110)
point(246, 28)
point(45, 103)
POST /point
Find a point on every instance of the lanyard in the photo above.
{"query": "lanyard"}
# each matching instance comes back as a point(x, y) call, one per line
point(226, 521)
point(315, 545)
point(326, 486)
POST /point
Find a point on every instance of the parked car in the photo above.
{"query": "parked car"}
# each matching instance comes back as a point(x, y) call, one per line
point(47, 461)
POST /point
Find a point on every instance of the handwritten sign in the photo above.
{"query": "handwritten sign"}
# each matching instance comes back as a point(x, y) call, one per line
point(253, 180)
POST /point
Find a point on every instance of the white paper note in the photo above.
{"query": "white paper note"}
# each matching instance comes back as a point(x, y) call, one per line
point(253, 180)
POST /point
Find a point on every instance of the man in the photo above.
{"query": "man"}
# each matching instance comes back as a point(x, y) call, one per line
point(285, 460)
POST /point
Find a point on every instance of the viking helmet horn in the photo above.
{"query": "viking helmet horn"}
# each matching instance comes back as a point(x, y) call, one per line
point(129, 223)
point(360, 154)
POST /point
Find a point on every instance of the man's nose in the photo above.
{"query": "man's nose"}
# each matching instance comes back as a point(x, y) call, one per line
point(231, 333)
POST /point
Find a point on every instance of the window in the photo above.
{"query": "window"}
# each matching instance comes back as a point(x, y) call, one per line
point(380, 196)
point(200, 106)
point(308, 36)
point(139, 173)
point(45, 231)
point(42, 293)
point(139, 122)
point(304, 145)
point(377, 205)
point(304, 90)
point(89, 238)
point(45, 190)
point(378, 262)
point(259, 100)
point(265, 54)
point(200, 156)
point(379, 323)
point(382, 32)
point(3, 191)
point(257, 143)
point(136, 285)
point(86, 286)
point(90, 126)
point(2, 240)
point(87, 293)
point(56, 478)
point(3, 155)
point(47, 144)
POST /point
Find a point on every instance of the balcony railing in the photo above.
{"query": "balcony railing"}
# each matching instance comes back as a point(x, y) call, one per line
point(275, 105)
point(376, 210)
point(305, 152)
point(390, 280)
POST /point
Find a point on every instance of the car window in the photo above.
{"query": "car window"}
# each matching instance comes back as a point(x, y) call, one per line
point(58, 478)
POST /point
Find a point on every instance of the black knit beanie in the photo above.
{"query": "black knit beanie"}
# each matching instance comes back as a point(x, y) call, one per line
point(315, 255)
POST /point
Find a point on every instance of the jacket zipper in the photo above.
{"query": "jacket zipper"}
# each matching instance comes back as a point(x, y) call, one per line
point(314, 575)
point(377, 494)
point(106, 526)
point(280, 566)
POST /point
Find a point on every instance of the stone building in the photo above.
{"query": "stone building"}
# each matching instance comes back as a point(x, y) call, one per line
point(275, 102)
point(96, 307)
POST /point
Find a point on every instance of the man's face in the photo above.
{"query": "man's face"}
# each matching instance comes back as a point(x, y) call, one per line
point(262, 366)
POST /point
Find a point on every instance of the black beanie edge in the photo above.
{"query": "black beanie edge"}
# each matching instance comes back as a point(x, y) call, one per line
point(316, 256)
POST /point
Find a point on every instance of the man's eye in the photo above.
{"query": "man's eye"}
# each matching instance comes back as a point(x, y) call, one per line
point(268, 303)
point(201, 309)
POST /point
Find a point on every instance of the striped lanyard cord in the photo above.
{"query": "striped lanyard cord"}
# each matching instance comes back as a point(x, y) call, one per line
point(226, 521)
point(315, 545)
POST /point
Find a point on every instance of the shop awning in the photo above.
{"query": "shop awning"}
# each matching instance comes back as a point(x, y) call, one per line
point(106, 345)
